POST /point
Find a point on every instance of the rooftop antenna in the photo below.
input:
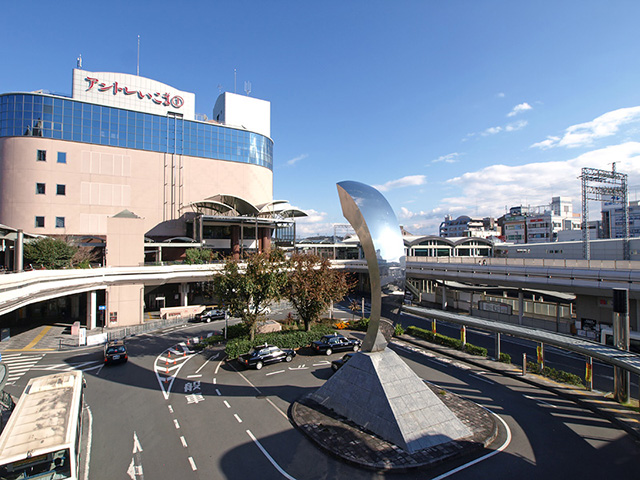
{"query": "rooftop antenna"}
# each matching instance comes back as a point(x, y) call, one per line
point(247, 88)
point(138, 66)
point(79, 61)
point(235, 76)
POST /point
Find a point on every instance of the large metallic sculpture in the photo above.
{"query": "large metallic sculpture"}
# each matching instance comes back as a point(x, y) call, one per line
point(376, 389)
point(372, 218)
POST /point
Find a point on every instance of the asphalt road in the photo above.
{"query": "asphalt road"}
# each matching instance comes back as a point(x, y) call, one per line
point(171, 414)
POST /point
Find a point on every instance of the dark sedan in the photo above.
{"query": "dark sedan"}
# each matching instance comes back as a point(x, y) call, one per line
point(336, 343)
point(336, 364)
point(114, 352)
point(209, 314)
point(265, 354)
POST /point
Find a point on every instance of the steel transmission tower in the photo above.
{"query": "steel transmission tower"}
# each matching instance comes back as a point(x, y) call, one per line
point(602, 185)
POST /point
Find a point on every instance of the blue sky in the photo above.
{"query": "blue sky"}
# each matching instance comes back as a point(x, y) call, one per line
point(460, 107)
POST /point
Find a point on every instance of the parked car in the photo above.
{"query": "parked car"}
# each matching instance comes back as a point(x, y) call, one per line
point(336, 364)
point(335, 343)
point(209, 314)
point(265, 354)
point(114, 352)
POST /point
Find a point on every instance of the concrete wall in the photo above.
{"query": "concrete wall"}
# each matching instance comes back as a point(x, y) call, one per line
point(101, 181)
point(124, 305)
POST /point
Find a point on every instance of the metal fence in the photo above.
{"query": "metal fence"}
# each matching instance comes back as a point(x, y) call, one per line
point(124, 332)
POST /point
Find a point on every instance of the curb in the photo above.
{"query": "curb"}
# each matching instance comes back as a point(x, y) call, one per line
point(623, 417)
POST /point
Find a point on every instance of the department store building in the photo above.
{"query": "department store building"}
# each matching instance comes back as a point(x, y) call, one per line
point(125, 162)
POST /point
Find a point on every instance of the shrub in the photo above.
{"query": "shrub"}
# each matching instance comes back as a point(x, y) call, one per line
point(398, 330)
point(552, 373)
point(289, 339)
point(446, 341)
point(237, 330)
point(505, 357)
point(475, 350)
point(212, 340)
point(360, 325)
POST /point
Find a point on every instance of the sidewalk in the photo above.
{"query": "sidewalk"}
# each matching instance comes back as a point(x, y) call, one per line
point(624, 417)
point(45, 338)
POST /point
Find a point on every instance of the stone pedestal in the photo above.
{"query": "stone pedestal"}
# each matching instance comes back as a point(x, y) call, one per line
point(379, 392)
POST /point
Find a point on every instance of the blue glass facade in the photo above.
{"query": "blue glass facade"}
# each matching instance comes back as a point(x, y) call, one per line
point(66, 119)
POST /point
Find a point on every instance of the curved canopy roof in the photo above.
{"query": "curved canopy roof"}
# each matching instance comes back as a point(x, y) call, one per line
point(240, 205)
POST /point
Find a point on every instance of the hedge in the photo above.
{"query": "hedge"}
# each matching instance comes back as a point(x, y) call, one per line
point(287, 339)
point(558, 375)
point(446, 341)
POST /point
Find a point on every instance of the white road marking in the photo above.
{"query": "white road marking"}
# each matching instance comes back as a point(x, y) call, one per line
point(325, 362)
point(208, 360)
point(170, 408)
point(478, 460)
point(478, 377)
point(218, 392)
point(237, 418)
point(194, 376)
point(184, 442)
point(193, 464)
point(540, 401)
point(274, 373)
point(89, 440)
point(175, 422)
point(215, 380)
point(269, 457)
point(226, 404)
point(136, 444)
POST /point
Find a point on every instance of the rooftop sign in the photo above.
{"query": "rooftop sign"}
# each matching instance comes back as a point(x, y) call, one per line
point(131, 92)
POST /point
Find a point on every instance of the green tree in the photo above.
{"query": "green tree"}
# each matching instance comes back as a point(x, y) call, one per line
point(51, 253)
point(195, 256)
point(313, 285)
point(247, 288)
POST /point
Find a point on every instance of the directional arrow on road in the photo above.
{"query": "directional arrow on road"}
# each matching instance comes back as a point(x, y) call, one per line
point(135, 469)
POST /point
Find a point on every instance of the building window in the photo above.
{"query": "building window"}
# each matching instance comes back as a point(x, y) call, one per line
point(59, 222)
point(40, 188)
point(61, 189)
point(42, 156)
point(39, 222)
point(62, 157)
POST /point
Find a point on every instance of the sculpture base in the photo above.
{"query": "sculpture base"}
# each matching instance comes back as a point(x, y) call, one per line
point(380, 393)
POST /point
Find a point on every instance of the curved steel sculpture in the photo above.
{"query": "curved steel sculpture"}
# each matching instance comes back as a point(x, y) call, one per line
point(378, 230)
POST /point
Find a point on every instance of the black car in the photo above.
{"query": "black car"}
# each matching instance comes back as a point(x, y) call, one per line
point(209, 314)
point(336, 343)
point(265, 354)
point(115, 352)
point(336, 364)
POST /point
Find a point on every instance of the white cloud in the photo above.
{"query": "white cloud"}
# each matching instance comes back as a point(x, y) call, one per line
point(449, 158)
point(510, 127)
point(522, 107)
point(489, 190)
point(584, 134)
point(315, 223)
point(295, 160)
point(408, 181)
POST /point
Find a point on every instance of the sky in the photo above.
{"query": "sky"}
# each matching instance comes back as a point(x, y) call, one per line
point(458, 107)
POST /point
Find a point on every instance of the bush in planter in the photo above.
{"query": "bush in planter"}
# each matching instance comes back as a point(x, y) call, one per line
point(505, 357)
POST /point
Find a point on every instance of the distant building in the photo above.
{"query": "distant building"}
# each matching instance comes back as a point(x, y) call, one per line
point(543, 224)
point(613, 219)
point(465, 226)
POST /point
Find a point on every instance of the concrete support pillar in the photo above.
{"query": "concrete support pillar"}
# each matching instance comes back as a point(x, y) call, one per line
point(18, 252)
point(92, 307)
point(497, 346)
point(235, 242)
point(265, 239)
point(621, 377)
point(520, 306)
point(184, 294)
point(75, 307)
